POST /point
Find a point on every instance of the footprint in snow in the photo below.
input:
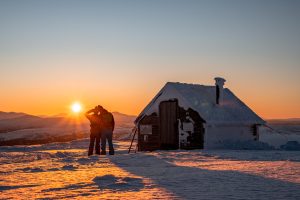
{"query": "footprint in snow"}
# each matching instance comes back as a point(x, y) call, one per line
point(112, 182)
point(36, 169)
point(69, 167)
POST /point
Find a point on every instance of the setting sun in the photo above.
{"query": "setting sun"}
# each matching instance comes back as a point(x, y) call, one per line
point(76, 107)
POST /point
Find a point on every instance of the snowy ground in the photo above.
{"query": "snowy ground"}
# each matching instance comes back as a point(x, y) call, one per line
point(63, 171)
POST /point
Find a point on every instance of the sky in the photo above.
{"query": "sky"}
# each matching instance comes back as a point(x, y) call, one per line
point(121, 53)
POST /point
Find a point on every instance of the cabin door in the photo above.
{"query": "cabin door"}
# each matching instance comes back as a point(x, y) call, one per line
point(168, 115)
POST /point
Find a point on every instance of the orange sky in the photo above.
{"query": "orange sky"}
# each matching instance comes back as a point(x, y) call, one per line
point(53, 98)
point(120, 54)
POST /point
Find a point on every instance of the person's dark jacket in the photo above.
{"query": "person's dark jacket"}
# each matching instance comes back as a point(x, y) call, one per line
point(107, 121)
point(95, 123)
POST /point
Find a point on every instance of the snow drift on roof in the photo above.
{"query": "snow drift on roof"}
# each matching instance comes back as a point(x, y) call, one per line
point(202, 99)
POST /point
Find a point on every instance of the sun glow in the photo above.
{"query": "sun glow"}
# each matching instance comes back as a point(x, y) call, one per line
point(76, 107)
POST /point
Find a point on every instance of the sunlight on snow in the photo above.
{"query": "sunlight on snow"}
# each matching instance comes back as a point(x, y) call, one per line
point(63, 171)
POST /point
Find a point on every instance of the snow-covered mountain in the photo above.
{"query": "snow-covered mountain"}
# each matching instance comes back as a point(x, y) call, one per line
point(10, 115)
point(21, 128)
point(25, 122)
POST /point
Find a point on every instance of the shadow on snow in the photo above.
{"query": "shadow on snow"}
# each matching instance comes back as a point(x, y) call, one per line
point(195, 183)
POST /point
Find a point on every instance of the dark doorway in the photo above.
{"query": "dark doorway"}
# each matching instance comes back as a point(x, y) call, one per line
point(195, 139)
point(168, 115)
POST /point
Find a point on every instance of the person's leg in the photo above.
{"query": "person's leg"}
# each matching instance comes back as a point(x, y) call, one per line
point(97, 146)
point(91, 147)
point(103, 143)
point(110, 143)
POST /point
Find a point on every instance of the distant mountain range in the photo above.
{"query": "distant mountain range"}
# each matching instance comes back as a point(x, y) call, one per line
point(290, 121)
point(21, 128)
point(10, 115)
point(25, 129)
point(12, 121)
point(16, 121)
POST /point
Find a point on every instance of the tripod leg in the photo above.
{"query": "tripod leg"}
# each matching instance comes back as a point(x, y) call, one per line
point(132, 141)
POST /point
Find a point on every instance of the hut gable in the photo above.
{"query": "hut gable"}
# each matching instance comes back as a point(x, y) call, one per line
point(202, 99)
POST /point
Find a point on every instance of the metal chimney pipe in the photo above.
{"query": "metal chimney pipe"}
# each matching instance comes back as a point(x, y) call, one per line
point(219, 90)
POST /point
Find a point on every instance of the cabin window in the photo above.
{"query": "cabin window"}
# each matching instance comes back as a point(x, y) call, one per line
point(188, 126)
point(255, 132)
point(146, 129)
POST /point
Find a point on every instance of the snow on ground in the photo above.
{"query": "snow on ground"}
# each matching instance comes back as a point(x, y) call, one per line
point(63, 171)
point(40, 133)
point(47, 132)
point(278, 138)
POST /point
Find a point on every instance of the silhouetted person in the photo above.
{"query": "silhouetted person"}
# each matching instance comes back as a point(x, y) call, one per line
point(95, 123)
point(108, 125)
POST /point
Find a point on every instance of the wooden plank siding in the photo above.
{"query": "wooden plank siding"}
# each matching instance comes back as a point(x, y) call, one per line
point(168, 115)
point(165, 133)
point(153, 140)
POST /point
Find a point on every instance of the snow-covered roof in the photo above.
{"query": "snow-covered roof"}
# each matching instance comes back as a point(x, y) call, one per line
point(203, 100)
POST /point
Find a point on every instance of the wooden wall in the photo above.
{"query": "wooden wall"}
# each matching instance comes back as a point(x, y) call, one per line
point(168, 123)
point(153, 140)
point(161, 138)
point(197, 137)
